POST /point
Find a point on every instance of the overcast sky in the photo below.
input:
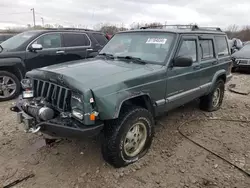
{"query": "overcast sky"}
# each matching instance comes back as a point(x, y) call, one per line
point(91, 12)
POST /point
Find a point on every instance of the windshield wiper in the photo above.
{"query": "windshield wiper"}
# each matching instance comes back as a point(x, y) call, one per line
point(1, 48)
point(135, 59)
point(107, 55)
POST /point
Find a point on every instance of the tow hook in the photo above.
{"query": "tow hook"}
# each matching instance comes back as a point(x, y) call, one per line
point(14, 109)
point(33, 129)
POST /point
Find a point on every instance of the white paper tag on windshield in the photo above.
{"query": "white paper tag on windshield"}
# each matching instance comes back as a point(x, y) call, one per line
point(156, 41)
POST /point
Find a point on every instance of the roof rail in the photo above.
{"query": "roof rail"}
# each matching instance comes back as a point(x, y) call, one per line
point(193, 27)
point(208, 28)
point(178, 26)
point(68, 28)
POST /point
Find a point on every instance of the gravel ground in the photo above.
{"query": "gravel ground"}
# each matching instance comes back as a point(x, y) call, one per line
point(172, 161)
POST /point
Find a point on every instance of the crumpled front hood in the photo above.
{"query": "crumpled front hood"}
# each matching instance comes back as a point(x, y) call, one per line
point(89, 74)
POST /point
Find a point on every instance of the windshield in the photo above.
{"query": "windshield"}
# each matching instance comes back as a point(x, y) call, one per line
point(148, 46)
point(17, 40)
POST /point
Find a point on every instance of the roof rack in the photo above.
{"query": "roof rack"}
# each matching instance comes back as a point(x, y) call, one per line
point(193, 27)
point(209, 28)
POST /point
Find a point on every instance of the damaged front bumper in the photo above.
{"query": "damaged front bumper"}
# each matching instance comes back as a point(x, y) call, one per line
point(241, 63)
point(57, 127)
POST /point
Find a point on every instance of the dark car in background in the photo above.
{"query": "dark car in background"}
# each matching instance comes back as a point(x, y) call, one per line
point(41, 48)
point(241, 58)
point(5, 36)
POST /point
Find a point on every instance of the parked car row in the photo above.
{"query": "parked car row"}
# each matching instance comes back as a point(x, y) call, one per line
point(40, 48)
point(137, 75)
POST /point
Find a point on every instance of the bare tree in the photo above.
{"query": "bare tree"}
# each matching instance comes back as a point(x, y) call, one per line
point(243, 33)
point(232, 31)
point(232, 28)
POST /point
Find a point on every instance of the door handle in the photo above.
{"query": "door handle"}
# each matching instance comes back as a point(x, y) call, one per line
point(89, 50)
point(197, 67)
point(215, 62)
point(60, 52)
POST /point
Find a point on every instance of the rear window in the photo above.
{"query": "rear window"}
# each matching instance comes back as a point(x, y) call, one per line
point(222, 47)
point(75, 39)
point(207, 49)
point(101, 39)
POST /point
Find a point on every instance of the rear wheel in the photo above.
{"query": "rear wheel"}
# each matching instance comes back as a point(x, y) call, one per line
point(128, 138)
point(213, 100)
point(9, 86)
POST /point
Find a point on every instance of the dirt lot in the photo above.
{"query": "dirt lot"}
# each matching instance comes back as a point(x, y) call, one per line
point(172, 161)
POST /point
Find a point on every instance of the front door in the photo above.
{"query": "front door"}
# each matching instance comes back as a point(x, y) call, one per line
point(183, 82)
point(52, 52)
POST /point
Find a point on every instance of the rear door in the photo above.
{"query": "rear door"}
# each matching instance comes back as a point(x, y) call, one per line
point(208, 59)
point(183, 82)
point(77, 45)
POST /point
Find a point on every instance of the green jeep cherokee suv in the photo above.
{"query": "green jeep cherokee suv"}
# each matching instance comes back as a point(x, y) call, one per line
point(138, 75)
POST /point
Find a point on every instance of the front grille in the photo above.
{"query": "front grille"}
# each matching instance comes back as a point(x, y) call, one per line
point(58, 96)
point(243, 61)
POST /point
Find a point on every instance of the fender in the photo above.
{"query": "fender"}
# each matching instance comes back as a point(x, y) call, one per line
point(14, 62)
point(216, 76)
point(117, 112)
point(110, 106)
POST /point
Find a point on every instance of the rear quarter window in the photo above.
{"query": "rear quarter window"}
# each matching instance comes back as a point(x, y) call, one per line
point(222, 47)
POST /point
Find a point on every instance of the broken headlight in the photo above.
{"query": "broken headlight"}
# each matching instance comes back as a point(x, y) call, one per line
point(27, 87)
point(26, 83)
point(77, 106)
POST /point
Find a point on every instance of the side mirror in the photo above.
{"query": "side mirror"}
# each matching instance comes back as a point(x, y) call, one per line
point(183, 61)
point(35, 47)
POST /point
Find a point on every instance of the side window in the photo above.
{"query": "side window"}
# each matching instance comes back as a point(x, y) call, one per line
point(101, 39)
point(49, 41)
point(188, 48)
point(75, 39)
point(222, 47)
point(207, 49)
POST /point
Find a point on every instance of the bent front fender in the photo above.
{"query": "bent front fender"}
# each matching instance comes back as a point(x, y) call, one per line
point(109, 106)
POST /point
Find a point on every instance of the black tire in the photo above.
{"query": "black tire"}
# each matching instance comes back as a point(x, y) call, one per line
point(206, 102)
point(18, 86)
point(234, 69)
point(115, 132)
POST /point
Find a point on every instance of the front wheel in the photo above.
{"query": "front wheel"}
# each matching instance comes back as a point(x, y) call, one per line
point(9, 86)
point(128, 138)
point(213, 100)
